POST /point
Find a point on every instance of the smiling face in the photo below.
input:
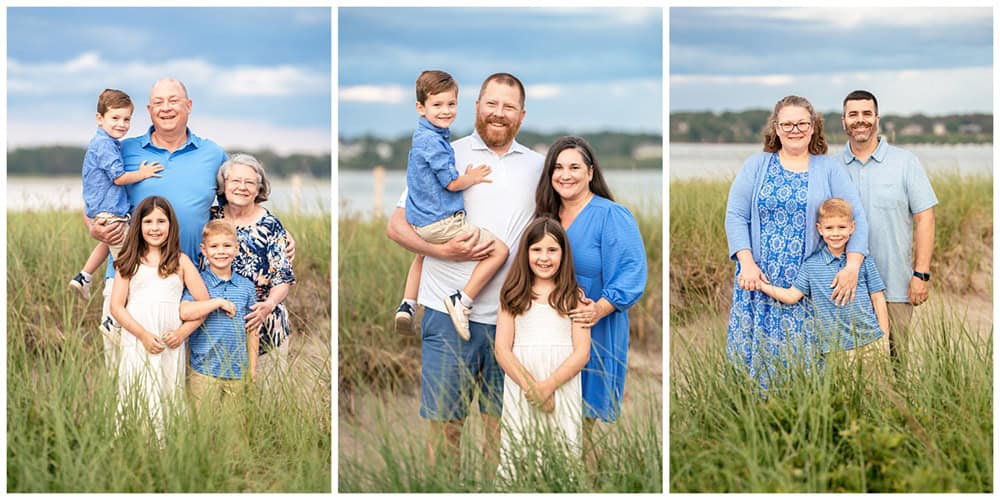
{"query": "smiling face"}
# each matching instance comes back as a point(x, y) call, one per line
point(499, 114)
point(544, 257)
point(571, 175)
point(860, 121)
point(440, 108)
point(220, 250)
point(836, 230)
point(169, 106)
point(789, 126)
point(155, 227)
point(242, 185)
point(115, 121)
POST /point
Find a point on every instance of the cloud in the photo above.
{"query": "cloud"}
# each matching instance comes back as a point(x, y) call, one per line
point(385, 94)
point(90, 70)
point(543, 91)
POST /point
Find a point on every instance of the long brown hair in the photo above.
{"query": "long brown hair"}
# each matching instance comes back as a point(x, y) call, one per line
point(547, 200)
point(516, 294)
point(817, 143)
point(135, 247)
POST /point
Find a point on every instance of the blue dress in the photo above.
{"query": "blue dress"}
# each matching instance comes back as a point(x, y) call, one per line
point(610, 262)
point(764, 334)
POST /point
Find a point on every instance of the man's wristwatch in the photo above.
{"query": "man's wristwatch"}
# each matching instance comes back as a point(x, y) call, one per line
point(922, 276)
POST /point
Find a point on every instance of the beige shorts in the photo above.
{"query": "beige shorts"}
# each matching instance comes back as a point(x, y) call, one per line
point(110, 217)
point(447, 228)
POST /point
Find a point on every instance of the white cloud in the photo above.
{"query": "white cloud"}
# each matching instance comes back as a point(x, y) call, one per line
point(853, 17)
point(543, 91)
point(385, 94)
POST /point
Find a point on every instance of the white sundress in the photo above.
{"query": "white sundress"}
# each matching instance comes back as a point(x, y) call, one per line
point(154, 302)
point(542, 342)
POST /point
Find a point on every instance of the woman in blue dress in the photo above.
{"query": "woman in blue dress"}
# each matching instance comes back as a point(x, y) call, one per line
point(771, 228)
point(610, 262)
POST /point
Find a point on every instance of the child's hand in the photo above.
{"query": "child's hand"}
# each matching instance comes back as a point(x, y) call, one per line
point(228, 307)
point(549, 405)
point(479, 173)
point(150, 170)
point(173, 340)
point(152, 343)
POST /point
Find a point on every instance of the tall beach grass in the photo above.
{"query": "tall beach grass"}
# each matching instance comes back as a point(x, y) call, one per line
point(61, 401)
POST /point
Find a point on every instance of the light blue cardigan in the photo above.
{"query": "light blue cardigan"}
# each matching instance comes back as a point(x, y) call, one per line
point(827, 179)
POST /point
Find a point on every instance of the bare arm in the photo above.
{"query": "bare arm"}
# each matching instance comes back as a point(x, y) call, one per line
point(504, 351)
point(923, 248)
point(145, 171)
point(881, 311)
point(569, 368)
point(253, 346)
point(119, 298)
point(460, 248)
point(784, 295)
point(192, 280)
point(471, 177)
point(845, 283)
point(200, 309)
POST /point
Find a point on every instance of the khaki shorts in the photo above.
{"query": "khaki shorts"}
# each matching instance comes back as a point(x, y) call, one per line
point(207, 388)
point(447, 228)
point(110, 217)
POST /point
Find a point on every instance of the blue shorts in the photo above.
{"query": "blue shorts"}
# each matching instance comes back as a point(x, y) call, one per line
point(453, 371)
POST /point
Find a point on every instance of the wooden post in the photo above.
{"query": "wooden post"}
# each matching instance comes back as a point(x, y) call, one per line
point(378, 173)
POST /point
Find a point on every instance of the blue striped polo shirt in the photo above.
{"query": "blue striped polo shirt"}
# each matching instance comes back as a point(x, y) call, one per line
point(840, 327)
point(219, 345)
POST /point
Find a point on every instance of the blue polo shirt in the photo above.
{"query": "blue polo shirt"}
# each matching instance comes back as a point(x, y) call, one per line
point(840, 327)
point(430, 168)
point(219, 345)
point(893, 187)
point(102, 164)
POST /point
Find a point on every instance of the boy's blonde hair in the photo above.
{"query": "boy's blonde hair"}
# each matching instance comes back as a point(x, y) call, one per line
point(113, 99)
point(835, 207)
point(432, 82)
point(219, 227)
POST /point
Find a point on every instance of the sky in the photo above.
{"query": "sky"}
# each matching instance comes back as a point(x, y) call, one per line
point(584, 70)
point(259, 77)
point(929, 60)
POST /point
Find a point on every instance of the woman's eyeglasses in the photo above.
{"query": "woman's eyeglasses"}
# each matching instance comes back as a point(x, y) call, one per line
point(803, 126)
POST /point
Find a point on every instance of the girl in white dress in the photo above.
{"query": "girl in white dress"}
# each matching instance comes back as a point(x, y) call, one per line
point(541, 351)
point(151, 273)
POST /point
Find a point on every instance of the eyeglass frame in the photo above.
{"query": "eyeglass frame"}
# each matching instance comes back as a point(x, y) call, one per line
point(248, 183)
point(794, 126)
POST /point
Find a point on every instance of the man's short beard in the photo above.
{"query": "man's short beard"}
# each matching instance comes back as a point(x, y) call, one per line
point(489, 136)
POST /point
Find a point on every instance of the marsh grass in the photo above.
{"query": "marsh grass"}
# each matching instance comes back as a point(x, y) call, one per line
point(61, 401)
point(701, 274)
point(925, 427)
point(382, 437)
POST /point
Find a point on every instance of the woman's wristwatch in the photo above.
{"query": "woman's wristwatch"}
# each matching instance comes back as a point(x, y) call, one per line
point(922, 276)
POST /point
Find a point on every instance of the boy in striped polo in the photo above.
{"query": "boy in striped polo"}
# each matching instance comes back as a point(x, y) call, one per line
point(859, 327)
point(222, 350)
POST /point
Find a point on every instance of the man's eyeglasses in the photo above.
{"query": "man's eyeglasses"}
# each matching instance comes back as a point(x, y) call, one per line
point(803, 126)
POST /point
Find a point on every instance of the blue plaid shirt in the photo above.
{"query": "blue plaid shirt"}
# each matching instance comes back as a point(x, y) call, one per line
point(840, 327)
point(219, 345)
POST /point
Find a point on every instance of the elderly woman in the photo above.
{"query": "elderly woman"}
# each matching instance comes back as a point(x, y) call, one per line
point(771, 228)
point(610, 262)
point(242, 187)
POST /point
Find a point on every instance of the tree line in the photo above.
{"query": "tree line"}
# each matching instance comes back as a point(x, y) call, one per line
point(747, 127)
point(615, 150)
point(68, 161)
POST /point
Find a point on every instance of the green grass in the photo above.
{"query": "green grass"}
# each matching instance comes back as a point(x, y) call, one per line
point(928, 428)
point(382, 436)
point(61, 401)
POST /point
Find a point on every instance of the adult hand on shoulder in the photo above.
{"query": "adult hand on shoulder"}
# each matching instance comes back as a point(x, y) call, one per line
point(844, 285)
point(918, 292)
point(111, 233)
point(258, 312)
point(586, 312)
point(466, 246)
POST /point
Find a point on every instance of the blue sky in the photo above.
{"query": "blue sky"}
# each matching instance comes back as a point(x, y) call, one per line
point(259, 77)
point(929, 60)
point(584, 69)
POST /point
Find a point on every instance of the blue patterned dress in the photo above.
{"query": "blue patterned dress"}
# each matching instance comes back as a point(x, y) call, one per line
point(763, 333)
point(262, 260)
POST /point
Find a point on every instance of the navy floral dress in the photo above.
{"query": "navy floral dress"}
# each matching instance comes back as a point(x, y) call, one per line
point(763, 333)
point(262, 260)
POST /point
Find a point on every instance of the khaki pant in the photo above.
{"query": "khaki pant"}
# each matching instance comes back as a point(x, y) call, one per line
point(447, 228)
point(900, 317)
point(203, 388)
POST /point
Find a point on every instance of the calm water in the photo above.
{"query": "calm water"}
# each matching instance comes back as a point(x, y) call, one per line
point(66, 193)
point(356, 192)
point(724, 160)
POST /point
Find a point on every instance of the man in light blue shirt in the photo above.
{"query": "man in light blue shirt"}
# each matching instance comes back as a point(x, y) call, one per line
point(899, 201)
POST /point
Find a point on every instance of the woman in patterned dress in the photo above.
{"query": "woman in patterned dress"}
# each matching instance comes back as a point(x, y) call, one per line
point(242, 187)
point(771, 228)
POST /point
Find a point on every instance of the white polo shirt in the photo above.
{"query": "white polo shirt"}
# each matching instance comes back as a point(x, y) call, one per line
point(504, 207)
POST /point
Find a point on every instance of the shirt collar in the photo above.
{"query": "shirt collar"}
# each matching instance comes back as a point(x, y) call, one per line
point(104, 133)
point(212, 281)
point(443, 132)
point(192, 140)
point(877, 155)
point(515, 146)
point(828, 257)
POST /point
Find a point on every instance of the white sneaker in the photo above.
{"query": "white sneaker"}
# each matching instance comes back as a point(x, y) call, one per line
point(459, 314)
point(81, 286)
